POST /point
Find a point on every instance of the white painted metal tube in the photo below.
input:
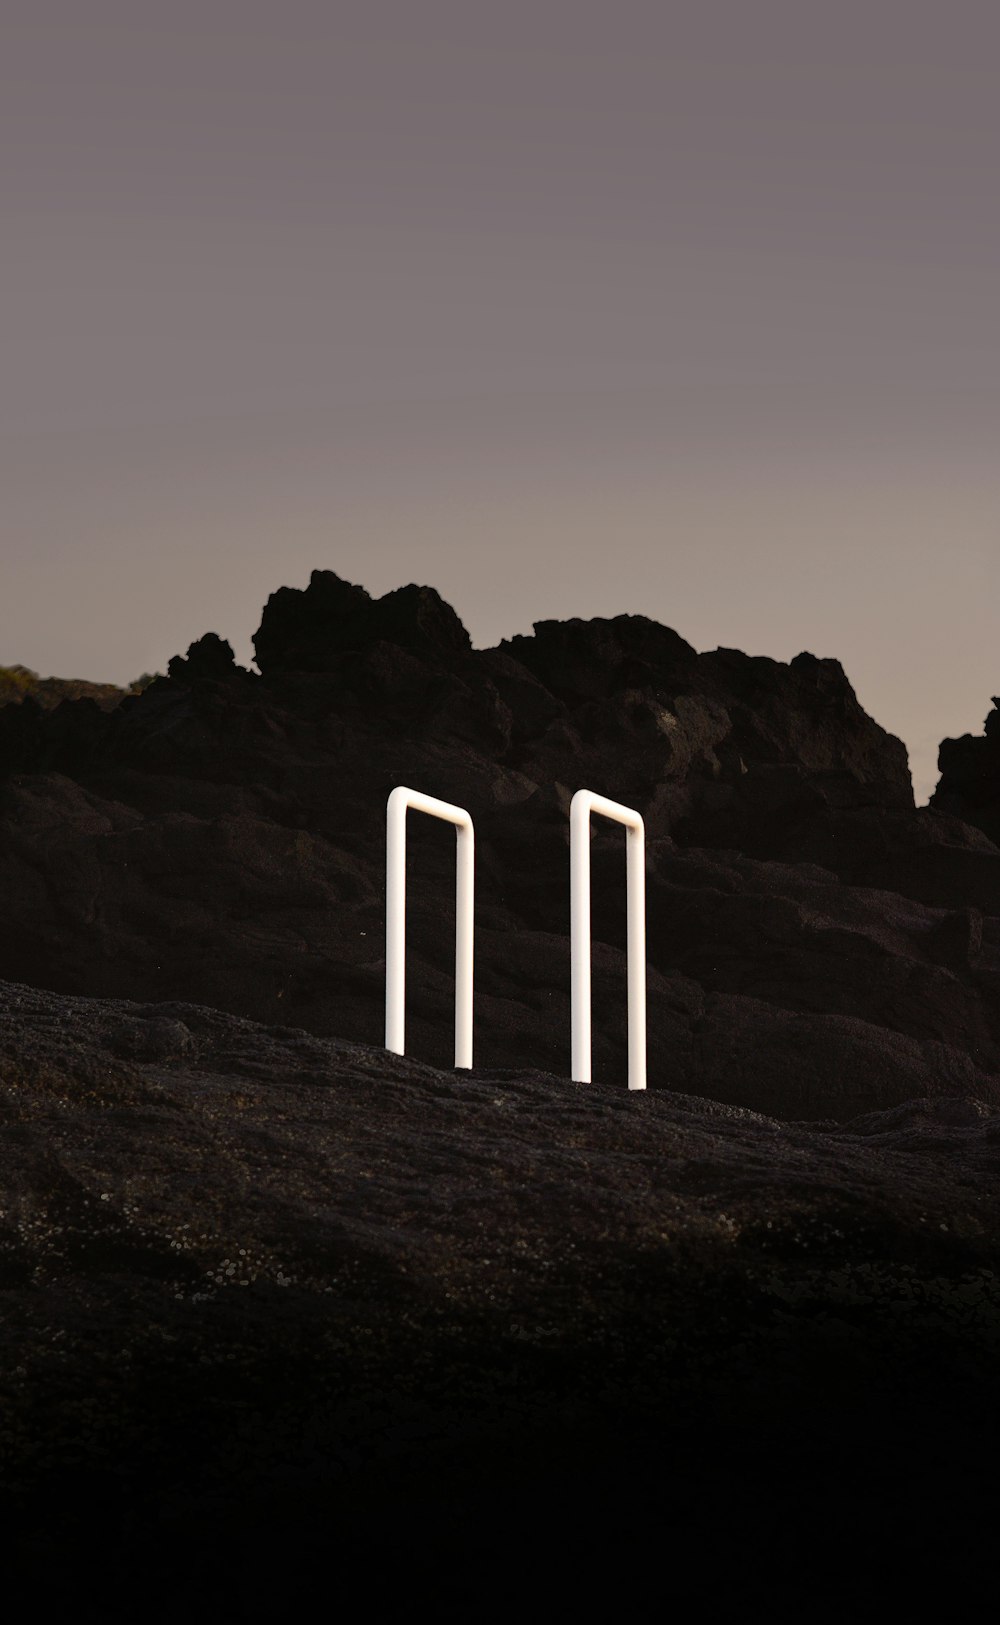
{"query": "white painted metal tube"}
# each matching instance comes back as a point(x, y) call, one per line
point(395, 917)
point(583, 804)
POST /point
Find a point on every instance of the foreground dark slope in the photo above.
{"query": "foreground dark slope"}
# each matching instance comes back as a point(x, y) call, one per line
point(273, 1305)
point(817, 946)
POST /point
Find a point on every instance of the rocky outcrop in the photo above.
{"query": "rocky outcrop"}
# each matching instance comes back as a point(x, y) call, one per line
point(311, 629)
point(817, 947)
point(969, 787)
point(210, 659)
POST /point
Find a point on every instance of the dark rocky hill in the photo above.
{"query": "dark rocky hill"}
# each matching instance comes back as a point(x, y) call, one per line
point(817, 946)
point(279, 1311)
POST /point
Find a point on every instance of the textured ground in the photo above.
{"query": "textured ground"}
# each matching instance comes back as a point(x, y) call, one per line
point(269, 1300)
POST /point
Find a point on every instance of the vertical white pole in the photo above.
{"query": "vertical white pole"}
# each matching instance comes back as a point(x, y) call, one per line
point(583, 804)
point(464, 921)
point(579, 927)
point(395, 917)
point(395, 921)
point(635, 859)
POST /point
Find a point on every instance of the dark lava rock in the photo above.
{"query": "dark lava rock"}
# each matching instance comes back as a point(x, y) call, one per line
point(969, 787)
point(274, 1306)
point(306, 631)
point(817, 946)
point(210, 659)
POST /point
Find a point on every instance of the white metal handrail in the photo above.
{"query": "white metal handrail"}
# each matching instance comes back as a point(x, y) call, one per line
point(583, 804)
point(395, 917)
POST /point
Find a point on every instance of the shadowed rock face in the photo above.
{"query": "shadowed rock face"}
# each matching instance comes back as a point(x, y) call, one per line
point(817, 947)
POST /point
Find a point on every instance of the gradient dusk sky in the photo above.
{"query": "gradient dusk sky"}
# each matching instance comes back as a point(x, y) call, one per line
point(565, 309)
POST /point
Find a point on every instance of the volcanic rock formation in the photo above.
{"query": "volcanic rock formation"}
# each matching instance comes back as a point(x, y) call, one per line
point(817, 946)
point(280, 1311)
point(969, 787)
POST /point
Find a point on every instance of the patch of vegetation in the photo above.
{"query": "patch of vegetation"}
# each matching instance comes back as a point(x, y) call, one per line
point(19, 683)
point(16, 682)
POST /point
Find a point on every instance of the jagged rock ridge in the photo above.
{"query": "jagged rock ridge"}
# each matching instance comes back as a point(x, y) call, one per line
point(817, 946)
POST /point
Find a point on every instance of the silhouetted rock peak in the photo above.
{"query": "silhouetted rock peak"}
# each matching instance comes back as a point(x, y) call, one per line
point(309, 629)
point(969, 787)
point(825, 672)
point(580, 660)
point(210, 659)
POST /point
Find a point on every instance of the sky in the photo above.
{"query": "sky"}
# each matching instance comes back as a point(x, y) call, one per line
point(688, 310)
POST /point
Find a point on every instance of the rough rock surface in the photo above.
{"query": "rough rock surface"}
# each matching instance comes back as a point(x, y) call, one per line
point(817, 946)
point(969, 787)
point(278, 1310)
